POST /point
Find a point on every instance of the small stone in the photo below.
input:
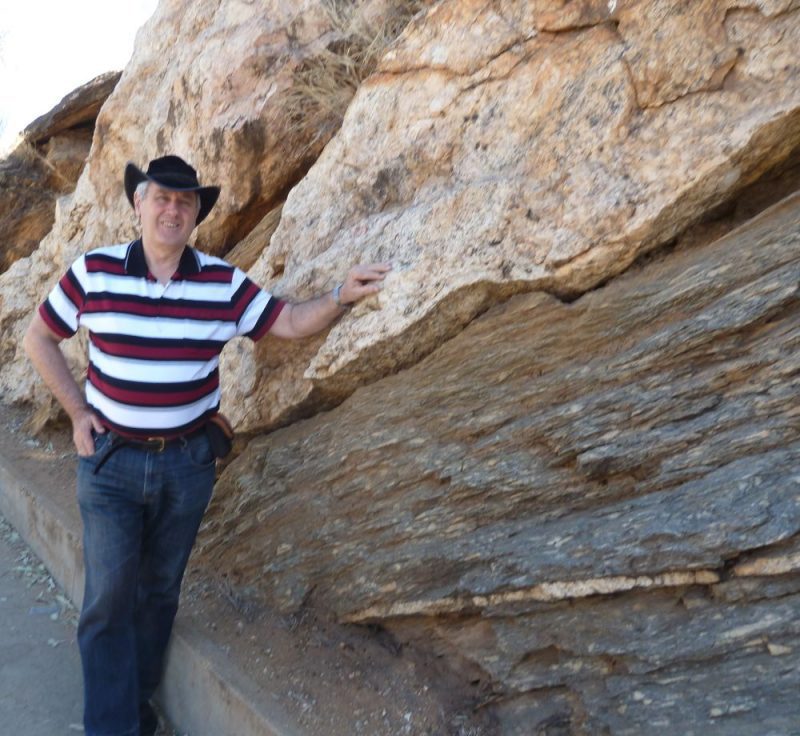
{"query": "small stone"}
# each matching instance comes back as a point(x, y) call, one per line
point(778, 650)
point(45, 610)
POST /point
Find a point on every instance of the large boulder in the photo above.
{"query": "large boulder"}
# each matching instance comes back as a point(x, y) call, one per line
point(518, 146)
point(592, 506)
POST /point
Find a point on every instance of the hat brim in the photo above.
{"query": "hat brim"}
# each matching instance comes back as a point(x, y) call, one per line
point(135, 176)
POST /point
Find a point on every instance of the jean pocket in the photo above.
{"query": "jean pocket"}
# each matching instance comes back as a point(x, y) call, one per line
point(199, 452)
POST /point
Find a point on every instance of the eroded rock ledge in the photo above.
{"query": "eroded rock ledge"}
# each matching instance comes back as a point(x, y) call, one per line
point(45, 165)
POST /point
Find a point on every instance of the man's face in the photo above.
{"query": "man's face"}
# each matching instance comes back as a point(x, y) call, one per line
point(167, 216)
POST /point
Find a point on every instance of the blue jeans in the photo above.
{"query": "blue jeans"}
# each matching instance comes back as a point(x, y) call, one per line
point(141, 513)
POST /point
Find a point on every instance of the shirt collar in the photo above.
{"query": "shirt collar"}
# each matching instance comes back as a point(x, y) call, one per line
point(136, 265)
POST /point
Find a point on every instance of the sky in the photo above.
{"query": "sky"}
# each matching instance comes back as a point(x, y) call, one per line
point(50, 47)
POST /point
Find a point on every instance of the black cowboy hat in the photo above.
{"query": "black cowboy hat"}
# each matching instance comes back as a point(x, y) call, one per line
point(171, 172)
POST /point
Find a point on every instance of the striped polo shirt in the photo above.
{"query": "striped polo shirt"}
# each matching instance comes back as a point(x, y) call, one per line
point(154, 348)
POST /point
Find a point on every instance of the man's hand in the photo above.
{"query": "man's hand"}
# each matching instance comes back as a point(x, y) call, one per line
point(82, 426)
point(308, 318)
point(363, 280)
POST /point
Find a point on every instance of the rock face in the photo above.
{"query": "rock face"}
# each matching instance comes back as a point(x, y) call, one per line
point(579, 488)
point(592, 506)
point(511, 147)
point(515, 146)
point(46, 165)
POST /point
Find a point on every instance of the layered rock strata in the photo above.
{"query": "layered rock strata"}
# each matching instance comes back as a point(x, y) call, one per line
point(594, 506)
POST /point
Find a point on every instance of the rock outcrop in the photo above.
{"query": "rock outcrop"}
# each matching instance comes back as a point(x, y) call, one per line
point(46, 165)
point(519, 146)
point(592, 506)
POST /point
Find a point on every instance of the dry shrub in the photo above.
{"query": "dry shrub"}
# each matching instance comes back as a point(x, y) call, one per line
point(325, 84)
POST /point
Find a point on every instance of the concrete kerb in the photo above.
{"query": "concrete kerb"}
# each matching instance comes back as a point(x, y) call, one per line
point(202, 694)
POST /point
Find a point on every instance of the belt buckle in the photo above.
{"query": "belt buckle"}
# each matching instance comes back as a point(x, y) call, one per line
point(162, 443)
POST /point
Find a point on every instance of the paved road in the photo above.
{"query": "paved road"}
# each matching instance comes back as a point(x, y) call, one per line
point(40, 672)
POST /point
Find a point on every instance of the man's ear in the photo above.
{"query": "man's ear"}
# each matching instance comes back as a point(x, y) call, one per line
point(137, 200)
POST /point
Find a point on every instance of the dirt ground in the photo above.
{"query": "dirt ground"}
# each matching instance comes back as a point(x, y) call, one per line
point(328, 679)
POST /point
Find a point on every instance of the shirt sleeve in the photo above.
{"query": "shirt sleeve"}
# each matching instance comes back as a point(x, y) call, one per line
point(62, 308)
point(255, 308)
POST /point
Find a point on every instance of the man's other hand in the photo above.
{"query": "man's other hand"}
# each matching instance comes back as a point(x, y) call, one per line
point(82, 426)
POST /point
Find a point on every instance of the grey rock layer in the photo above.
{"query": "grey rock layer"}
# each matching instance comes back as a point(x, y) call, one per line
point(625, 451)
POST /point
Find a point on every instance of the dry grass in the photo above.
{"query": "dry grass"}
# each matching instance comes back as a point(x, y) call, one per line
point(28, 153)
point(324, 85)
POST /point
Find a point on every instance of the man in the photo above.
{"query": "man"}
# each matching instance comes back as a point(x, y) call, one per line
point(158, 313)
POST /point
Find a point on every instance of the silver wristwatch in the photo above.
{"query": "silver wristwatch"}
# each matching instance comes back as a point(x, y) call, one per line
point(337, 297)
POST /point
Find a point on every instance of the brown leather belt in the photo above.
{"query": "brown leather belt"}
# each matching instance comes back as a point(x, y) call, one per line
point(151, 444)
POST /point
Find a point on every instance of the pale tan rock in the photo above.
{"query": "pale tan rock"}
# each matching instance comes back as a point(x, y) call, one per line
point(550, 592)
point(502, 158)
point(689, 52)
point(486, 157)
point(781, 561)
point(778, 650)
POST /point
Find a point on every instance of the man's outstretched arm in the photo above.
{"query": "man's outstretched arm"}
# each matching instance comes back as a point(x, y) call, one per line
point(307, 318)
point(41, 345)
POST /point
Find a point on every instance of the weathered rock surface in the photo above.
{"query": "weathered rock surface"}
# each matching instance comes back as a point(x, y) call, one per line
point(46, 165)
point(515, 146)
point(558, 496)
point(587, 503)
point(211, 81)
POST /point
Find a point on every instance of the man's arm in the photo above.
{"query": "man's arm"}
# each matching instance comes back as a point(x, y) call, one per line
point(41, 345)
point(312, 316)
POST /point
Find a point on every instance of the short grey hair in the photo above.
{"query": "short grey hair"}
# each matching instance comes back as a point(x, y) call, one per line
point(141, 190)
